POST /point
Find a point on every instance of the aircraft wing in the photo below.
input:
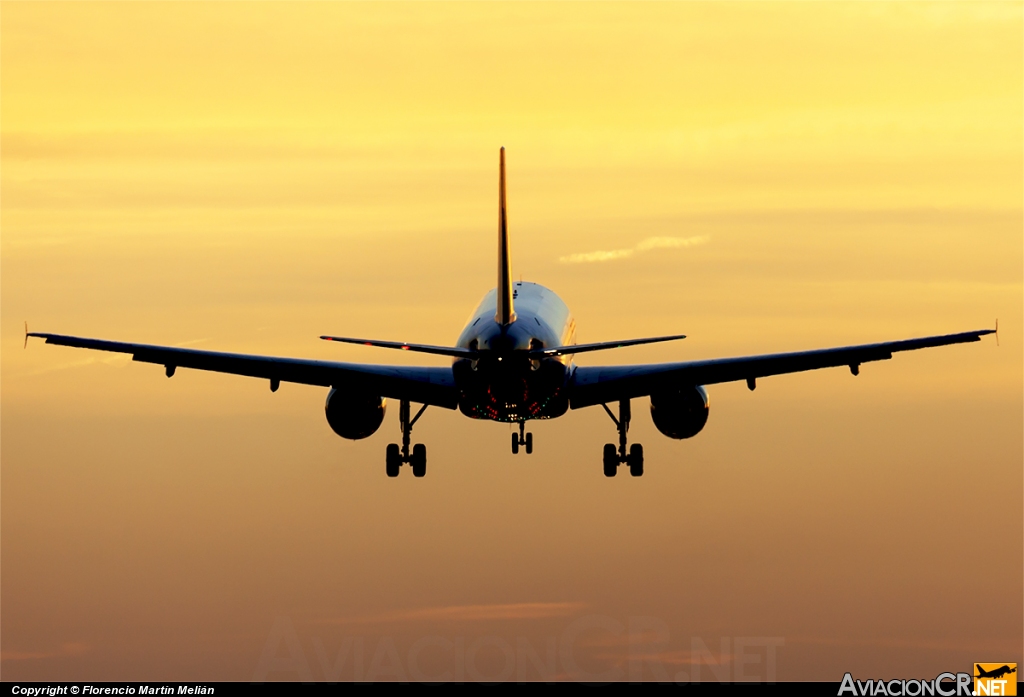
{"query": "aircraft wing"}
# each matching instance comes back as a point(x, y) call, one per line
point(425, 385)
point(598, 385)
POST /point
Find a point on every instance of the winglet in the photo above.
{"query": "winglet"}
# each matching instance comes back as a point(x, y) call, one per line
point(997, 331)
point(26, 335)
point(506, 314)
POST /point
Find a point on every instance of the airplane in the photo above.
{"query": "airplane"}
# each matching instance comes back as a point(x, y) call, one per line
point(996, 673)
point(513, 362)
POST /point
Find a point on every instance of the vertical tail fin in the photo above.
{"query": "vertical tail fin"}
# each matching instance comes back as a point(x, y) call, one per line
point(505, 315)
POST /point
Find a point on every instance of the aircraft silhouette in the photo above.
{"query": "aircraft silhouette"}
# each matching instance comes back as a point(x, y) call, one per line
point(513, 362)
point(995, 673)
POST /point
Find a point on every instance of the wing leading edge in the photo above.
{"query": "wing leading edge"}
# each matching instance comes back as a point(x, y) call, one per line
point(424, 385)
point(599, 385)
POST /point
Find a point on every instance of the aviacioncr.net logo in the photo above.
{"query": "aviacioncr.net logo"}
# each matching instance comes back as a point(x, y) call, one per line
point(944, 685)
point(995, 679)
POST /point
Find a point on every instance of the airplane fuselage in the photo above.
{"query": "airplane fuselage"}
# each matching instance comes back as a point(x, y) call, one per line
point(505, 384)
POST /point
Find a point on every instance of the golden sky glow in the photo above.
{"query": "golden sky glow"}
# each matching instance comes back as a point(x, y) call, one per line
point(760, 176)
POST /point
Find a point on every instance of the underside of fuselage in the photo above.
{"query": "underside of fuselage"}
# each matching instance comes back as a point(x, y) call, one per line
point(504, 383)
point(512, 390)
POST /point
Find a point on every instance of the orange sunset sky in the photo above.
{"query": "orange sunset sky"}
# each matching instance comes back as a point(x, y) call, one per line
point(248, 176)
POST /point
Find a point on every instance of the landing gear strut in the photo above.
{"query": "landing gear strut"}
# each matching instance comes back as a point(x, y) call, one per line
point(395, 458)
point(522, 438)
point(613, 456)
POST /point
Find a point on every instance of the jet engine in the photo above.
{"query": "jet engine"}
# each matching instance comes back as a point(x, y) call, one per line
point(680, 412)
point(353, 414)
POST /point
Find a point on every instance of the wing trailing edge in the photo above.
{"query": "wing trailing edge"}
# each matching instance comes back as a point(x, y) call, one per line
point(598, 385)
point(426, 385)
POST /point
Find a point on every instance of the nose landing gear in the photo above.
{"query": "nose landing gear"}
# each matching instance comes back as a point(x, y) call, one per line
point(395, 457)
point(522, 438)
point(613, 456)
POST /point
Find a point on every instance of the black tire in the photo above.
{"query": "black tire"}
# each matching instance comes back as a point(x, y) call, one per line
point(392, 460)
point(529, 444)
point(611, 460)
point(636, 460)
point(515, 443)
point(419, 460)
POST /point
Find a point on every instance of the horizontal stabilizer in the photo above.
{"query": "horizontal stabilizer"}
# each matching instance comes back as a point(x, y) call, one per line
point(422, 348)
point(600, 346)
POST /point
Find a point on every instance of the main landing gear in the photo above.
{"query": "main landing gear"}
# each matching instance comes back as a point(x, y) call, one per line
point(522, 438)
point(612, 456)
point(395, 457)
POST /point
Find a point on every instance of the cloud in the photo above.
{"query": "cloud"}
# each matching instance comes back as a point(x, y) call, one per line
point(644, 246)
point(115, 359)
point(681, 657)
point(70, 649)
point(470, 613)
point(670, 242)
point(597, 256)
point(989, 646)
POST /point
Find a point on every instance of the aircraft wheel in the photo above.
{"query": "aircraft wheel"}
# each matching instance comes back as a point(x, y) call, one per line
point(636, 460)
point(393, 460)
point(611, 460)
point(515, 443)
point(529, 443)
point(419, 460)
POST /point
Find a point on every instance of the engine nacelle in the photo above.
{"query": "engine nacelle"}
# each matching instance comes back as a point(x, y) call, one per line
point(353, 414)
point(680, 412)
